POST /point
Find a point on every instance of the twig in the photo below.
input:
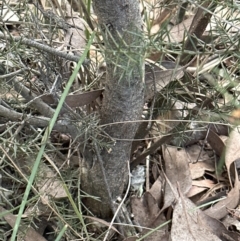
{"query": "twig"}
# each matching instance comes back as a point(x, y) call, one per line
point(151, 150)
point(148, 169)
point(13, 115)
point(59, 21)
point(205, 141)
point(36, 102)
point(198, 26)
point(43, 47)
point(165, 139)
point(11, 74)
point(154, 98)
point(63, 127)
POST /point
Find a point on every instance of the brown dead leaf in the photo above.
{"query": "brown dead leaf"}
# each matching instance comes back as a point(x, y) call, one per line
point(212, 191)
point(195, 190)
point(231, 221)
point(177, 171)
point(155, 170)
point(163, 75)
point(77, 100)
point(49, 185)
point(219, 210)
point(101, 223)
point(47, 181)
point(178, 32)
point(232, 149)
point(185, 223)
point(198, 169)
point(216, 142)
point(204, 183)
point(155, 190)
point(163, 17)
point(234, 117)
point(164, 237)
point(200, 186)
point(25, 233)
point(157, 235)
point(224, 14)
point(37, 210)
point(217, 228)
point(190, 223)
point(196, 154)
point(145, 209)
point(197, 28)
point(223, 138)
point(75, 37)
point(147, 214)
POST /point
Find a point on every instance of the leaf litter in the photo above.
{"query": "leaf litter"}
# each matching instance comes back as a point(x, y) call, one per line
point(188, 174)
point(185, 182)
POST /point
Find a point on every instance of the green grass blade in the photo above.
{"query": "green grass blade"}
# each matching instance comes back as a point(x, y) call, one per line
point(45, 138)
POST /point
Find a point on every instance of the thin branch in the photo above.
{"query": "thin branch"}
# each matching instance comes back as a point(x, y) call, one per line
point(36, 102)
point(57, 20)
point(43, 47)
point(61, 126)
point(154, 98)
point(13, 115)
point(11, 74)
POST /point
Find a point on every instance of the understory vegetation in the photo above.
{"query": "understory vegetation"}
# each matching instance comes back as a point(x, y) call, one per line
point(119, 120)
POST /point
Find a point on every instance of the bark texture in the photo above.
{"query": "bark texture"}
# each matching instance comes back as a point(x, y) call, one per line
point(120, 23)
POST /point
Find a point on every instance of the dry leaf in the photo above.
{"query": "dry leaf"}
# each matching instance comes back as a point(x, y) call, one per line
point(204, 183)
point(75, 36)
point(198, 169)
point(225, 13)
point(195, 190)
point(147, 214)
point(177, 171)
point(196, 154)
point(232, 149)
point(216, 142)
point(178, 32)
point(49, 184)
point(185, 223)
point(76, 100)
point(219, 210)
point(158, 235)
point(46, 180)
point(163, 75)
point(217, 228)
point(101, 223)
point(155, 190)
point(27, 233)
point(190, 223)
point(230, 221)
point(145, 209)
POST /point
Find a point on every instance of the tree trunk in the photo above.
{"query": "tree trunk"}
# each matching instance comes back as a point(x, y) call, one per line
point(120, 23)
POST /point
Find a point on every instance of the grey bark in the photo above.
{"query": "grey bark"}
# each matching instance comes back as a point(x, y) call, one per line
point(120, 23)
